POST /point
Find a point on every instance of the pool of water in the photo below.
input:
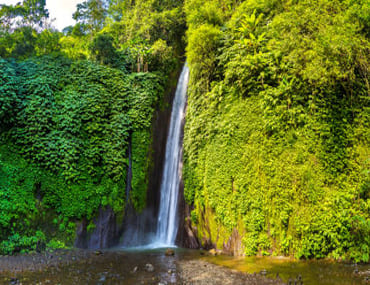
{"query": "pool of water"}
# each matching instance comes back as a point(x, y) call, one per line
point(311, 272)
point(119, 266)
point(114, 266)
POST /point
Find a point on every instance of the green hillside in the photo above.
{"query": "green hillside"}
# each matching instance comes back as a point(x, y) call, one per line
point(277, 130)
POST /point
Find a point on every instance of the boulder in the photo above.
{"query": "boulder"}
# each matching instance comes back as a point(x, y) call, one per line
point(170, 252)
point(213, 252)
point(149, 267)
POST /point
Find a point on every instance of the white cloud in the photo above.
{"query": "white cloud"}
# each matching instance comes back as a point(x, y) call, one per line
point(9, 2)
point(60, 10)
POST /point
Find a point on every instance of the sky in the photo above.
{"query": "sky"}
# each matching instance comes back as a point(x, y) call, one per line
point(61, 10)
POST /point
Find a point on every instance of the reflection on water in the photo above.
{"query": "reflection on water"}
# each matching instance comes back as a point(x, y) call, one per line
point(130, 267)
point(110, 267)
point(311, 272)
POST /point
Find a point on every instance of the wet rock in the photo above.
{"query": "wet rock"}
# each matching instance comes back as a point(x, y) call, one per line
point(98, 252)
point(102, 278)
point(213, 252)
point(234, 245)
point(40, 246)
point(14, 281)
point(263, 272)
point(364, 273)
point(135, 269)
point(298, 280)
point(116, 276)
point(170, 252)
point(149, 267)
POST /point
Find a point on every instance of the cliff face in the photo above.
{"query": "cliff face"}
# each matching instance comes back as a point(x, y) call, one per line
point(112, 228)
point(277, 131)
point(73, 105)
point(69, 127)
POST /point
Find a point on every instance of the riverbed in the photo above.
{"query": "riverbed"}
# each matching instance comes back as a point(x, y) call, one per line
point(118, 266)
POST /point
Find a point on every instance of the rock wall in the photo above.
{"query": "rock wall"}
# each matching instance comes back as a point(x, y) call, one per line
point(108, 226)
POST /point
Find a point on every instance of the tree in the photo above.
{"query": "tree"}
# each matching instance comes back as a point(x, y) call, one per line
point(48, 42)
point(92, 13)
point(35, 13)
point(24, 42)
point(32, 13)
point(8, 14)
point(202, 51)
point(103, 50)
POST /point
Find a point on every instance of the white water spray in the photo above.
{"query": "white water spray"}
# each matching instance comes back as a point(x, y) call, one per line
point(168, 213)
point(138, 233)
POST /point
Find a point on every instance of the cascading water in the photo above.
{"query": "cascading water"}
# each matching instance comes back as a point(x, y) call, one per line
point(140, 229)
point(129, 170)
point(168, 219)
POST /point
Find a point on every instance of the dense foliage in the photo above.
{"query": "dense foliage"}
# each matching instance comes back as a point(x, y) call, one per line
point(71, 103)
point(74, 121)
point(277, 131)
point(142, 35)
point(276, 144)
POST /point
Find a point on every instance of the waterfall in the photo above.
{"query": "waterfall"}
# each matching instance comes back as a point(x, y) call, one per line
point(129, 170)
point(140, 229)
point(167, 224)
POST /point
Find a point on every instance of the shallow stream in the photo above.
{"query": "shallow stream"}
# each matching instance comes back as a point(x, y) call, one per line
point(310, 272)
point(131, 267)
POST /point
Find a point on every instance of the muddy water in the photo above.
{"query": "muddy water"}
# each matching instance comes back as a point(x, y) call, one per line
point(310, 272)
point(131, 267)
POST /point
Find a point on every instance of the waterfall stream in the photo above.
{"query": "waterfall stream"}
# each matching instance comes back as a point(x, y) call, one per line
point(140, 229)
point(168, 214)
point(129, 170)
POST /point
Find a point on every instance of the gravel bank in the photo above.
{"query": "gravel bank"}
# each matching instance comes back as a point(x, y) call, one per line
point(201, 272)
point(117, 267)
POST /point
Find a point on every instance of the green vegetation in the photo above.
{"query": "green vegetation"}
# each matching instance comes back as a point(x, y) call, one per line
point(73, 120)
point(277, 131)
point(276, 143)
point(70, 103)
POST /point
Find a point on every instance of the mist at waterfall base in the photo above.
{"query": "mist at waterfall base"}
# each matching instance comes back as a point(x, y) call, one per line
point(144, 231)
